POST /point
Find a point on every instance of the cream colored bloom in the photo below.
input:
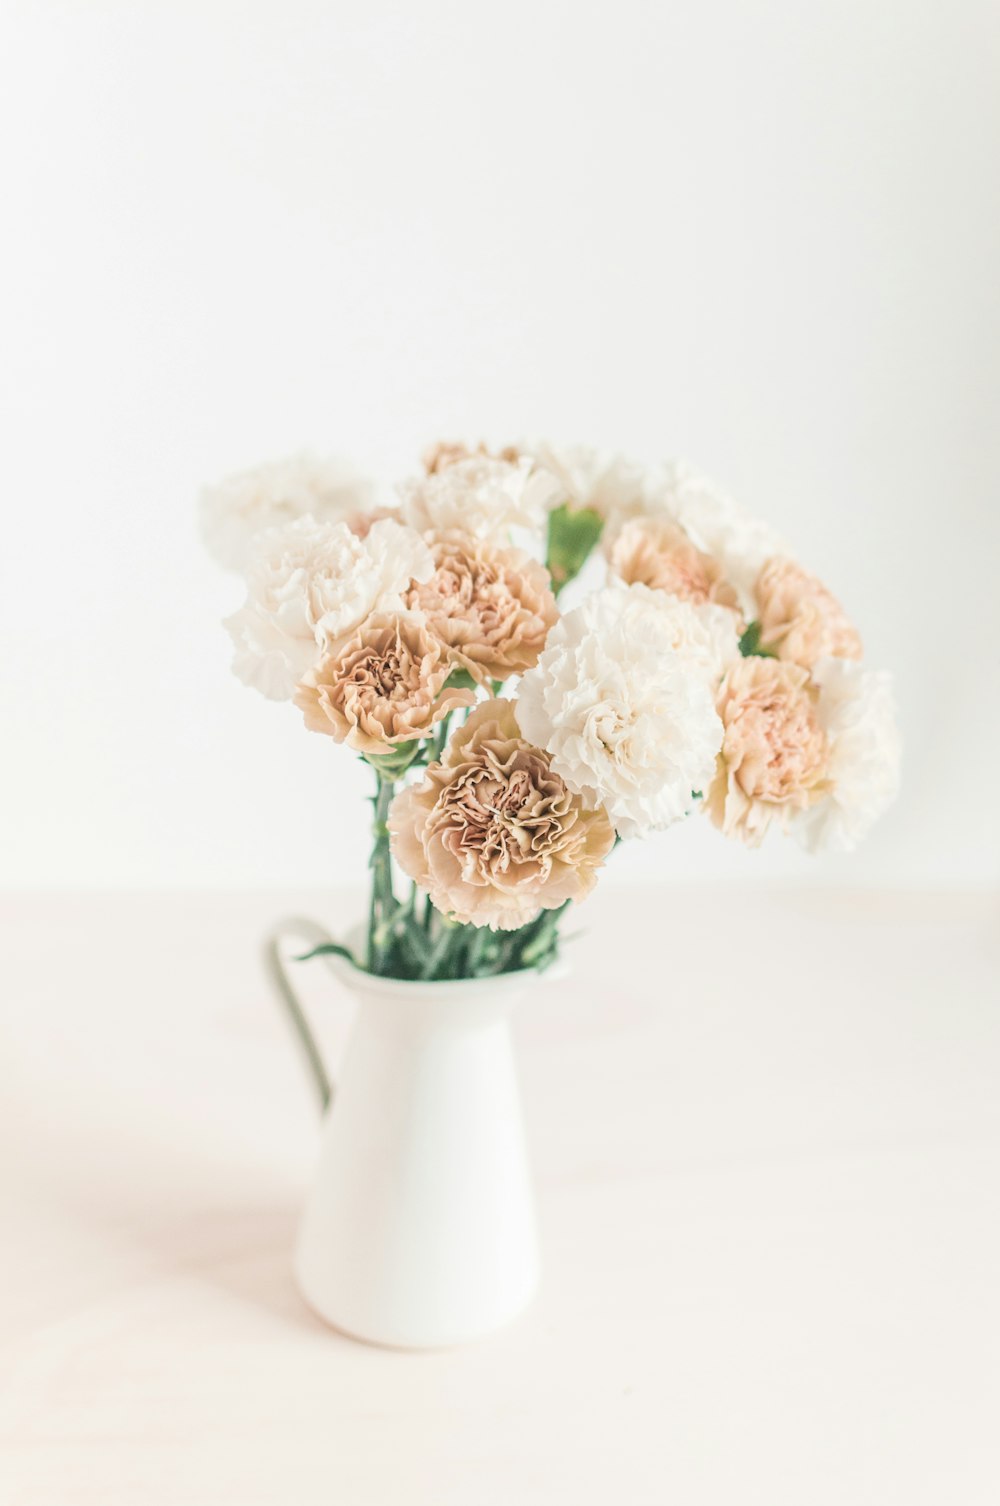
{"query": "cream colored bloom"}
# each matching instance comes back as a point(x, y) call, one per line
point(623, 699)
point(479, 494)
point(799, 618)
point(492, 605)
point(857, 715)
point(493, 834)
point(445, 452)
point(308, 583)
point(600, 480)
point(774, 759)
point(657, 554)
point(362, 523)
point(235, 510)
point(448, 452)
point(382, 684)
point(715, 524)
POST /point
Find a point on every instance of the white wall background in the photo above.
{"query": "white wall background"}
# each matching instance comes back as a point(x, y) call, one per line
point(765, 237)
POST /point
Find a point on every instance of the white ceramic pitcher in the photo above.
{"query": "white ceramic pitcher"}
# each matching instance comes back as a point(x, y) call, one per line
point(420, 1228)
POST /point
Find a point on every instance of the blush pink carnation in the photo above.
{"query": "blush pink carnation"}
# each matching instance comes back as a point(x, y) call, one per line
point(800, 619)
point(656, 552)
point(774, 756)
point(492, 605)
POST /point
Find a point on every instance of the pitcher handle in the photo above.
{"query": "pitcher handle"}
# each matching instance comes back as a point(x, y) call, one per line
point(274, 965)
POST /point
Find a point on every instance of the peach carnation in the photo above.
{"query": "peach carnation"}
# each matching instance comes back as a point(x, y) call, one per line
point(492, 605)
point(714, 522)
point(658, 553)
point(799, 618)
point(382, 684)
point(774, 756)
point(493, 833)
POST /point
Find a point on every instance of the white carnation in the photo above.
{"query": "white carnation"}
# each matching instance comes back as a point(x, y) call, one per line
point(236, 509)
point(704, 632)
point(480, 495)
point(857, 714)
point(310, 582)
point(600, 480)
point(719, 628)
point(622, 698)
point(715, 524)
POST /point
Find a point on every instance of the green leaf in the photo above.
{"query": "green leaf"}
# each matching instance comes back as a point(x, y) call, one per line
point(573, 532)
point(751, 646)
point(460, 679)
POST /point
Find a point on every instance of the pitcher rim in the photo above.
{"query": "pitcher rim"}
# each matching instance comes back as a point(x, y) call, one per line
point(351, 974)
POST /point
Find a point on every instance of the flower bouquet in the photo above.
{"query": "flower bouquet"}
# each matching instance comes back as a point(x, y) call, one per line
point(514, 737)
point(538, 654)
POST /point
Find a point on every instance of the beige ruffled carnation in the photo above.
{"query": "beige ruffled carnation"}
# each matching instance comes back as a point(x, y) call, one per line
point(658, 553)
point(799, 618)
point(448, 452)
point(493, 834)
point(492, 605)
point(382, 684)
point(775, 755)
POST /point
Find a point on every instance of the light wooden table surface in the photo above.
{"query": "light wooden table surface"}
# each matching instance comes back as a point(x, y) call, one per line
point(766, 1130)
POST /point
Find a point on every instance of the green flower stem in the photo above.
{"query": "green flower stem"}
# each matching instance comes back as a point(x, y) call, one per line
point(439, 951)
point(383, 901)
point(440, 741)
point(751, 645)
point(476, 947)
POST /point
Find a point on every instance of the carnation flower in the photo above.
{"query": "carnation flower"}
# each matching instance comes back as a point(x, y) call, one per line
point(857, 715)
point(622, 698)
point(448, 452)
point(492, 605)
point(238, 508)
point(774, 759)
point(799, 618)
point(493, 833)
point(362, 523)
point(658, 553)
point(479, 494)
point(381, 684)
point(715, 524)
point(598, 480)
point(307, 584)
